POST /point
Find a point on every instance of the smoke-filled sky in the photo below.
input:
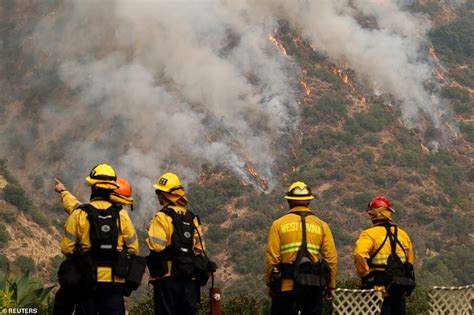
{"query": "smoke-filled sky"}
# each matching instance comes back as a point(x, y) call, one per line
point(169, 85)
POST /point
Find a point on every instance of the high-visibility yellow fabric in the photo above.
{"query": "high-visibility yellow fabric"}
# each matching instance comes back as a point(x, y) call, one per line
point(161, 229)
point(69, 201)
point(368, 243)
point(285, 239)
point(381, 216)
point(76, 230)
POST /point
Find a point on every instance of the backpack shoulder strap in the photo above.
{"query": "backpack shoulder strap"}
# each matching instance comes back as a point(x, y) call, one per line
point(117, 207)
point(169, 212)
point(304, 246)
point(87, 208)
point(397, 241)
point(381, 246)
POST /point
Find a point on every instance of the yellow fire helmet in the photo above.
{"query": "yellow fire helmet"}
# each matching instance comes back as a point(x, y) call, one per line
point(102, 176)
point(167, 183)
point(299, 191)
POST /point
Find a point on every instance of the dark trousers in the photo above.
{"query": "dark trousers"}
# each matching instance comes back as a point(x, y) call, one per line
point(64, 301)
point(175, 297)
point(285, 303)
point(105, 299)
point(393, 306)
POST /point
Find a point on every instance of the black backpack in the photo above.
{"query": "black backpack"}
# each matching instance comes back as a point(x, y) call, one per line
point(308, 276)
point(103, 232)
point(181, 251)
point(400, 276)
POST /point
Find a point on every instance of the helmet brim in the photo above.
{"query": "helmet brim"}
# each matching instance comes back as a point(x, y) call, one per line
point(160, 188)
point(299, 198)
point(101, 183)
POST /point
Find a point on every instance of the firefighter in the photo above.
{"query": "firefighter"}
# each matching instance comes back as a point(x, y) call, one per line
point(284, 243)
point(174, 238)
point(373, 248)
point(66, 299)
point(98, 233)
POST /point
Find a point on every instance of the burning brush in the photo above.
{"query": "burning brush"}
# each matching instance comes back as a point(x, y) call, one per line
point(252, 173)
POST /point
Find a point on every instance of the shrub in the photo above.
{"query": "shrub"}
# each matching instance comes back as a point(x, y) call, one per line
point(367, 157)
point(253, 258)
point(15, 195)
point(25, 264)
point(330, 107)
point(353, 127)
point(455, 40)
point(470, 175)
point(216, 233)
point(455, 93)
point(358, 201)
point(450, 177)
point(4, 236)
point(441, 158)
point(429, 7)
point(340, 237)
point(7, 215)
point(468, 131)
point(4, 264)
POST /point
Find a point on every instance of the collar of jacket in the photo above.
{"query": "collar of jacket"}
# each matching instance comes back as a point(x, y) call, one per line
point(299, 209)
point(383, 223)
point(177, 209)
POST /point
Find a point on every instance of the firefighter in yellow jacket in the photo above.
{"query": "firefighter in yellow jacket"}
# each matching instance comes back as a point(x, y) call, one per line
point(66, 299)
point(171, 264)
point(101, 231)
point(373, 248)
point(284, 242)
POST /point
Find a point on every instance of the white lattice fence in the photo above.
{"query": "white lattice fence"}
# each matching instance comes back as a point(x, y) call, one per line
point(452, 300)
point(356, 302)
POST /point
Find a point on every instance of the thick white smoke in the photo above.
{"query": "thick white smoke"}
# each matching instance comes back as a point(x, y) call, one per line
point(389, 54)
point(185, 84)
point(169, 85)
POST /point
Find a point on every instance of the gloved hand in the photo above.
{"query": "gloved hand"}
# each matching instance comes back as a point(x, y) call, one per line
point(59, 186)
point(329, 294)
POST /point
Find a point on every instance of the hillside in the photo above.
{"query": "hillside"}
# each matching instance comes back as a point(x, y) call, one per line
point(24, 243)
point(61, 111)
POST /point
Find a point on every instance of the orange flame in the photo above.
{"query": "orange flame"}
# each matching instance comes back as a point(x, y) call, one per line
point(307, 90)
point(277, 44)
point(438, 75)
point(262, 183)
point(432, 53)
point(343, 75)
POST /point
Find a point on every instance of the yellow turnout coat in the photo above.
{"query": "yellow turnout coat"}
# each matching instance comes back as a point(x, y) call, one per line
point(285, 239)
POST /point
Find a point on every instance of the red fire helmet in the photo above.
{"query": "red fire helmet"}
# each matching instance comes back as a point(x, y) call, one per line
point(379, 202)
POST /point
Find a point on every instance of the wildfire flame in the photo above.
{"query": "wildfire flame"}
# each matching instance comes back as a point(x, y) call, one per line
point(277, 44)
point(262, 183)
point(341, 72)
point(438, 75)
point(437, 70)
point(432, 53)
point(307, 90)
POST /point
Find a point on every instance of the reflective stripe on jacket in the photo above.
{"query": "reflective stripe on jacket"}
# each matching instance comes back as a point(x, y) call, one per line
point(285, 240)
point(370, 240)
point(76, 230)
point(161, 229)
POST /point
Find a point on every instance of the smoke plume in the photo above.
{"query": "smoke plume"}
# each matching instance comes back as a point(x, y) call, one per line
point(170, 85)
